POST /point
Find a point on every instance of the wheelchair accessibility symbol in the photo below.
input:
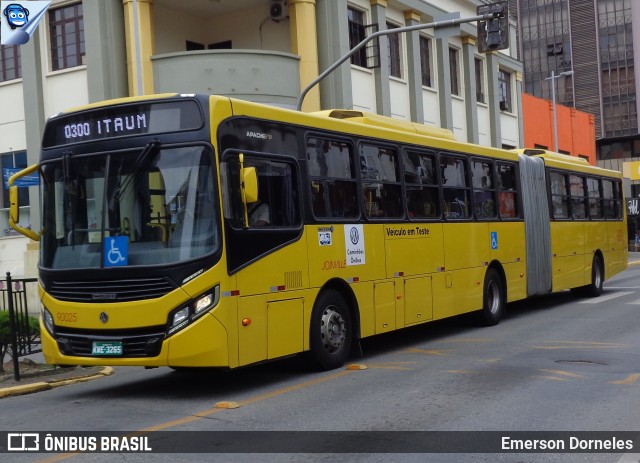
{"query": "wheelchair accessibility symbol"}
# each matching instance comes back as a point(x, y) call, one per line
point(494, 240)
point(116, 251)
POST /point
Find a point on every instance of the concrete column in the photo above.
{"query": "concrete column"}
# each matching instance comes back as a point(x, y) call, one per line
point(106, 70)
point(333, 44)
point(519, 90)
point(414, 71)
point(493, 96)
point(146, 46)
point(34, 114)
point(302, 14)
point(470, 87)
point(444, 83)
point(381, 74)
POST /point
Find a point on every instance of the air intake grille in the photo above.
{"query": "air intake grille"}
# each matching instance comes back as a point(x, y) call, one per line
point(111, 290)
point(139, 343)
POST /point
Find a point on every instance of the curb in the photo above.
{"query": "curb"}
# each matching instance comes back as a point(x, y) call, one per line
point(635, 262)
point(46, 385)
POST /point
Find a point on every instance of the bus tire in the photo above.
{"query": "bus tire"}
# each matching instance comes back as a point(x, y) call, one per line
point(493, 300)
point(331, 332)
point(593, 289)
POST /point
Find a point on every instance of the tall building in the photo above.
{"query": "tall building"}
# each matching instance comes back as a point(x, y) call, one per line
point(594, 39)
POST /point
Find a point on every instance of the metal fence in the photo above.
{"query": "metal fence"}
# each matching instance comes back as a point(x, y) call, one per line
point(23, 338)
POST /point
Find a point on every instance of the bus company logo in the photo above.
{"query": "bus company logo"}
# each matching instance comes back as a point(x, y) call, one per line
point(104, 296)
point(23, 442)
point(354, 235)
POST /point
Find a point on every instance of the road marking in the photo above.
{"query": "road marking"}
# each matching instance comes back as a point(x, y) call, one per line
point(579, 345)
point(211, 411)
point(597, 300)
point(553, 378)
point(441, 352)
point(631, 379)
point(563, 373)
point(621, 287)
point(637, 302)
point(467, 341)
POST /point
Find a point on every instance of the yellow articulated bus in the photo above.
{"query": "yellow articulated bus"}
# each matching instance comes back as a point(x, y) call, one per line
point(203, 231)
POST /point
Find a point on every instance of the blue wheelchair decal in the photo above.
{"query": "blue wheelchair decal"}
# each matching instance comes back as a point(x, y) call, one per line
point(494, 240)
point(116, 251)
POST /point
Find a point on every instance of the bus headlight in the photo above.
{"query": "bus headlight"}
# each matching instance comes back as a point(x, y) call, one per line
point(182, 317)
point(48, 321)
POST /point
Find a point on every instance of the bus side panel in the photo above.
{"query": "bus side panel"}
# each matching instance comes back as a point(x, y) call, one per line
point(616, 260)
point(364, 295)
point(201, 344)
point(596, 240)
point(467, 252)
point(327, 253)
point(466, 245)
point(510, 250)
point(567, 250)
point(413, 249)
point(252, 337)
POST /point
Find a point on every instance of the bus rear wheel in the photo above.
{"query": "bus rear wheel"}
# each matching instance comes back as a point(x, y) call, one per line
point(493, 300)
point(331, 331)
point(593, 289)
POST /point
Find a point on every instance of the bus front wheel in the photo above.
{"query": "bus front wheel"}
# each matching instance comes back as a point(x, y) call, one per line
point(331, 331)
point(493, 300)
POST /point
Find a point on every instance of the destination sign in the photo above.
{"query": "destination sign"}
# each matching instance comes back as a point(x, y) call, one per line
point(123, 121)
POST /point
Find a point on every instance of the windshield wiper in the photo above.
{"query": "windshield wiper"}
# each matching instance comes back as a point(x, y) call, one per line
point(140, 165)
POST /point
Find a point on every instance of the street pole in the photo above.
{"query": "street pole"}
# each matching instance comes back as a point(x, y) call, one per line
point(555, 115)
point(553, 78)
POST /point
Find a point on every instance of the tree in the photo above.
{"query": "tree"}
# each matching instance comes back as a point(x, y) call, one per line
point(5, 333)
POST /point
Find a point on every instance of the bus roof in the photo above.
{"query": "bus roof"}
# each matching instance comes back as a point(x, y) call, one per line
point(568, 162)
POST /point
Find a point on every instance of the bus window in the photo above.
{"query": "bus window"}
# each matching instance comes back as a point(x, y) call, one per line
point(277, 204)
point(595, 198)
point(611, 194)
point(578, 197)
point(455, 189)
point(559, 196)
point(380, 182)
point(332, 178)
point(507, 195)
point(484, 202)
point(423, 200)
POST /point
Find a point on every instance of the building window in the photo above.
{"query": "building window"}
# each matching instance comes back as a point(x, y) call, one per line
point(504, 85)
point(425, 61)
point(393, 41)
point(66, 27)
point(356, 35)
point(10, 63)
point(453, 69)
point(479, 81)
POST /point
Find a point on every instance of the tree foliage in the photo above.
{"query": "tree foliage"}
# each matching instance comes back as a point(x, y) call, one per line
point(5, 332)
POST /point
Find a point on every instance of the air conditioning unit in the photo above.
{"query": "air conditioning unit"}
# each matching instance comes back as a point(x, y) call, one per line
point(279, 10)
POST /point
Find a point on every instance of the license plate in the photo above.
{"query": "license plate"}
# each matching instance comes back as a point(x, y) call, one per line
point(111, 348)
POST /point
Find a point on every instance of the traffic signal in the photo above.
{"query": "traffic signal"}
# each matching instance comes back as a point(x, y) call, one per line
point(493, 34)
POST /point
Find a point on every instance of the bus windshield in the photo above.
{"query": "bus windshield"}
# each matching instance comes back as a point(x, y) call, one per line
point(161, 199)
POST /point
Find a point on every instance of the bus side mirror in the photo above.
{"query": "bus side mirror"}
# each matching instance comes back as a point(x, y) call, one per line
point(250, 184)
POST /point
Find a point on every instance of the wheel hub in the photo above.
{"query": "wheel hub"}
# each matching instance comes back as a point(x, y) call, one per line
point(333, 330)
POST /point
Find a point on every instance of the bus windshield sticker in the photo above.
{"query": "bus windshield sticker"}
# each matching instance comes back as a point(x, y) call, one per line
point(324, 238)
point(116, 251)
point(354, 244)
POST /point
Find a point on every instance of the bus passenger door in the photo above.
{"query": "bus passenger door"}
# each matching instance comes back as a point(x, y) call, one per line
point(384, 298)
point(418, 304)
